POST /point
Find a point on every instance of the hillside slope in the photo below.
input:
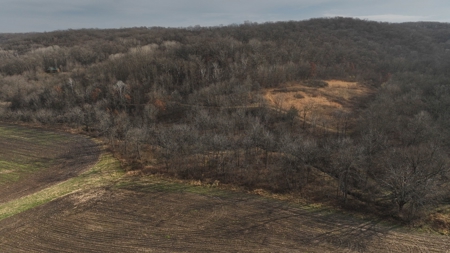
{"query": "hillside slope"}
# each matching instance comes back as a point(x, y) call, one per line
point(218, 104)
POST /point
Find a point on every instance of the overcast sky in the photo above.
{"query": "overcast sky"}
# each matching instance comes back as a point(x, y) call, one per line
point(49, 15)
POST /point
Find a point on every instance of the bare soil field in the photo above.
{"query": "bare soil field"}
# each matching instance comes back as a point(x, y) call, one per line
point(32, 159)
point(150, 214)
point(165, 217)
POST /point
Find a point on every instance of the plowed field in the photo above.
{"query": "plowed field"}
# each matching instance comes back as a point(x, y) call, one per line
point(32, 159)
point(151, 215)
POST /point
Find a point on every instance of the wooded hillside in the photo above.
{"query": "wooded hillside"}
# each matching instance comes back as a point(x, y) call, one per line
point(193, 103)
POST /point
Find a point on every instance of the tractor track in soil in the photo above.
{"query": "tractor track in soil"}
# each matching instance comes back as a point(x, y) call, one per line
point(150, 219)
point(147, 215)
point(63, 155)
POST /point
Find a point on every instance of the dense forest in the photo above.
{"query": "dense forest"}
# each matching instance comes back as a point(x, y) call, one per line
point(190, 102)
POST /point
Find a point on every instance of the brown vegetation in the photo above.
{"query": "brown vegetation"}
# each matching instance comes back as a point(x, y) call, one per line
point(247, 105)
point(321, 107)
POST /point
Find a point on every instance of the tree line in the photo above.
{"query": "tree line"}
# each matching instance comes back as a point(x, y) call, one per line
point(191, 99)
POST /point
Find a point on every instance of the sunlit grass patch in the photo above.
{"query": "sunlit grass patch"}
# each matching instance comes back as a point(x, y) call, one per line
point(106, 171)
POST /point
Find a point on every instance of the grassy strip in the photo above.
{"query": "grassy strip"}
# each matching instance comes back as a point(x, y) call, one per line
point(156, 184)
point(37, 145)
point(106, 171)
point(12, 171)
point(29, 134)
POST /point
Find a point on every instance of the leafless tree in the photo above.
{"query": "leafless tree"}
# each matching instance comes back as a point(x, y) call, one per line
point(346, 163)
point(413, 175)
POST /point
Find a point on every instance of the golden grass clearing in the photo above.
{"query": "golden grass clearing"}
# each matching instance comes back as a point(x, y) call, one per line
point(321, 104)
point(343, 84)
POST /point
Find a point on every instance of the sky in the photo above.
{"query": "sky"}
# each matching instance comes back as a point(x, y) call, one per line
point(17, 16)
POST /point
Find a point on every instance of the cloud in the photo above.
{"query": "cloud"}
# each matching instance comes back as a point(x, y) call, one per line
point(393, 10)
point(47, 15)
point(44, 15)
point(394, 18)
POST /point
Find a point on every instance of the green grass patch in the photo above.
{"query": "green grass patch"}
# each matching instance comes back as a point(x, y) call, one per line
point(26, 150)
point(35, 136)
point(105, 172)
point(13, 169)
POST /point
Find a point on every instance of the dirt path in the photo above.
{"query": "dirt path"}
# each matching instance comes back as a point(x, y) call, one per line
point(155, 218)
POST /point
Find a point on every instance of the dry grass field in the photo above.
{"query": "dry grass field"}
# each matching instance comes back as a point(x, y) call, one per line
point(319, 106)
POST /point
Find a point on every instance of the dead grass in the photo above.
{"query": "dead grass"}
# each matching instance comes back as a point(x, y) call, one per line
point(320, 105)
point(5, 104)
point(440, 220)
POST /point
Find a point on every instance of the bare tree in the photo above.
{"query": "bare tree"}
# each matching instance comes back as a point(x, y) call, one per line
point(136, 136)
point(413, 175)
point(346, 165)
